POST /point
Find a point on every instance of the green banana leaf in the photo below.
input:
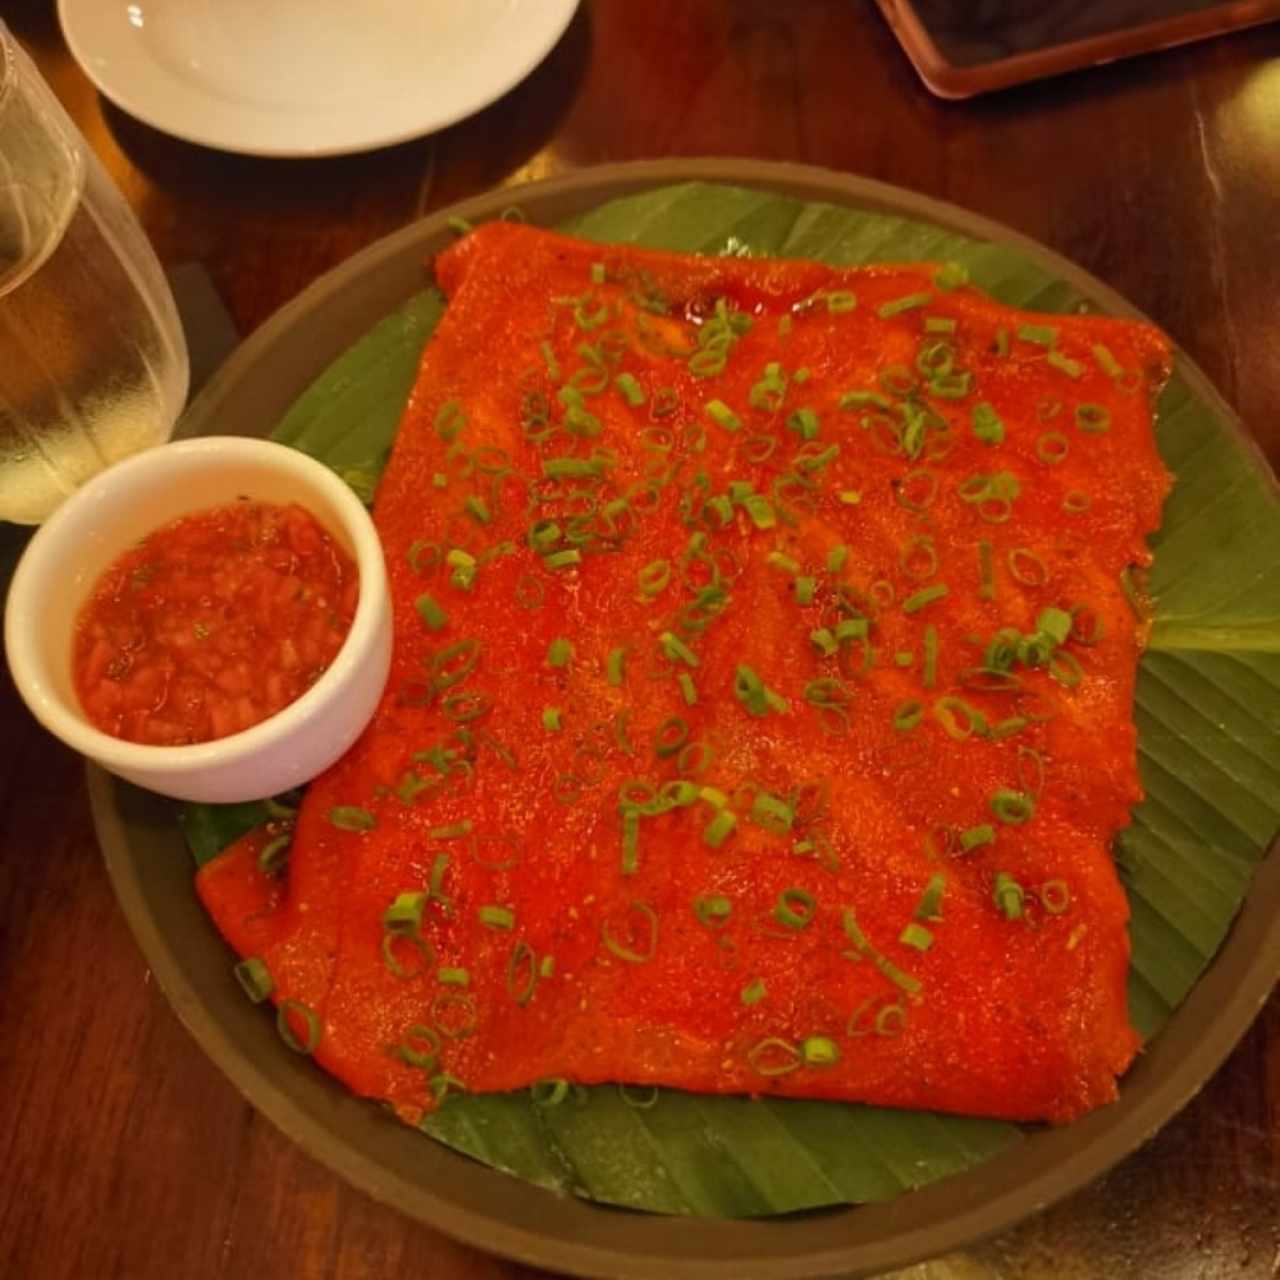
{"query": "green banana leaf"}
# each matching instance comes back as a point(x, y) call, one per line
point(1208, 714)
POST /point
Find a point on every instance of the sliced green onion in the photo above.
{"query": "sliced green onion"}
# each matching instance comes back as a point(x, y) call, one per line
point(864, 400)
point(804, 589)
point(1094, 418)
point(722, 415)
point(918, 557)
point(630, 389)
point(672, 735)
point(840, 301)
point(819, 1051)
point(630, 842)
point(795, 908)
point(986, 571)
point(897, 306)
point(273, 855)
point(404, 915)
point(453, 976)
point(1027, 567)
point(926, 596)
point(1065, 668)
point(930, 905)
point(851, 629)
point(772, 813)
point(635, 955)
point(1107, 362)
point(410, 1055)
point(908, 716)
point(754, 694)
point(753, 992)
point(916, 936)
point(1052, 448)
point(976, 837)
point(255, 978)
point(549, 1093)
point(780, 560)
point(522, 973)
point(951, 275)
point(494, 917)
point(450, 420)
point(454, 1014)
point(1008, 895)
point(614, 665)
point(392, 940)
point(1002, 342)
point(958, 718)
point(1065, 364)
point(560, 652)
point(1055, 897)
point(824, 641)
point(563, 559)
point(837, 557)
point(862, 945)
point(774, 1056)
point(284, 1010)
point(717, 831)
point(713, 911)
point(988, 426)
point(676, 650)
point(1055, 622)
point(350, 817)
point(769, 393)
point(454, 831)
point(1012, 807)
point(432, 615)
point(1007, 728)
point(551, 719)
point(570, 468)
point(951, 386)
point(543, 536)
point(917, 489)
point(930, 665)
point(1043, 335)
point(761, 513)
point(805, 423)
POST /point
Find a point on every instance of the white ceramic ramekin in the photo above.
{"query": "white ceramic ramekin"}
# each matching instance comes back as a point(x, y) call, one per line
point(131, 499)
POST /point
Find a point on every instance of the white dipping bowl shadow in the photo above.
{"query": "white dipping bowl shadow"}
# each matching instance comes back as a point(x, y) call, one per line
point(92, 528)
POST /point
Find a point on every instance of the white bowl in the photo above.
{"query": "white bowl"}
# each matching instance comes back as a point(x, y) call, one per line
point(113, 511)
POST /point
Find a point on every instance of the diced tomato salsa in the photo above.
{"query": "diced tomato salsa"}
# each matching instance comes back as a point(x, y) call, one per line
point(213, 623)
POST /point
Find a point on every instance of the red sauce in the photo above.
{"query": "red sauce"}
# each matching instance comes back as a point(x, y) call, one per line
point(213, 623)
point(470, 799)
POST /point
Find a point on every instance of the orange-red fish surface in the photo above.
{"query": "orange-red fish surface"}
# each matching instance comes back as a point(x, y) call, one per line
point(760, 717)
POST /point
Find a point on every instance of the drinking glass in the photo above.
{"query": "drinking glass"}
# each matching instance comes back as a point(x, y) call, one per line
point(93, 365)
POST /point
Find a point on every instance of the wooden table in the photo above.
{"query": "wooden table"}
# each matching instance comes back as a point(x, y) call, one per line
point(125, 1152)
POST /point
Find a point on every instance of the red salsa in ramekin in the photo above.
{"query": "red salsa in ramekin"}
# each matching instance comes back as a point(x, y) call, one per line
point(213, 623)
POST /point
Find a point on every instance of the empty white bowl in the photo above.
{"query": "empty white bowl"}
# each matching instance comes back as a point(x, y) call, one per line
point(89, 531)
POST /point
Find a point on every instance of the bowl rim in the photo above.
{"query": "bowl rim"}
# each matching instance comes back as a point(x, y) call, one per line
point(170, 462)
point(514, 1218)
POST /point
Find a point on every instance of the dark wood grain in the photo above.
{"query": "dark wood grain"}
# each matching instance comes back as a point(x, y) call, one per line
point(124, 1152)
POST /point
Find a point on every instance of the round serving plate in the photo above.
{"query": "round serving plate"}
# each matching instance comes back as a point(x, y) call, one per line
point(152, 875)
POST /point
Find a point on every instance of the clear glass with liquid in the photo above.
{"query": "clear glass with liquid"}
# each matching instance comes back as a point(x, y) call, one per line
point(93, 366)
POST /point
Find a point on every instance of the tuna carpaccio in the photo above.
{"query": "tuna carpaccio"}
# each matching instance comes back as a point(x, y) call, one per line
point(760, 717)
